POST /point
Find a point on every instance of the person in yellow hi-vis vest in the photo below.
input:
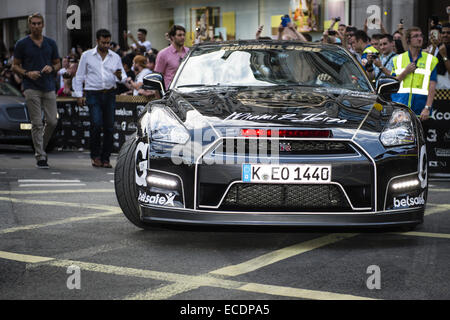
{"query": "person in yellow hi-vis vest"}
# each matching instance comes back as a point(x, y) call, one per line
point(417, 72)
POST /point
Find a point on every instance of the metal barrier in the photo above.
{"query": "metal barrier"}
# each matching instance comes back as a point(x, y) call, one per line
point(74, 122)
point(437, 132)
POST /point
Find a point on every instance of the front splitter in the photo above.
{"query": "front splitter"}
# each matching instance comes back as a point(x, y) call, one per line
point(192, 217)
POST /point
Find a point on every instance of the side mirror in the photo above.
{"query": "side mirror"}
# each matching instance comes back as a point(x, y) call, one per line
point(387, 86)
point(154, 81)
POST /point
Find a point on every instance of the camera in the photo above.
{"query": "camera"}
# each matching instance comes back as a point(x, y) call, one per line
point(285, 20)
point(435, 34)
point(337, 19)
point(332, 32)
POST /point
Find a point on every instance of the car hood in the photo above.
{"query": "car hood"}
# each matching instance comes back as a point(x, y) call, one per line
point(343, 111)
point(11, 100)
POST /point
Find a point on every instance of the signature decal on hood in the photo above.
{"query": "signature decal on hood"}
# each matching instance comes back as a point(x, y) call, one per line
point(306, 117)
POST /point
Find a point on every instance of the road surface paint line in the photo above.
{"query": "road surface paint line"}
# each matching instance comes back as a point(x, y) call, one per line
point(163, 293)
point(297, 293)
point(52, 185)
point(23, 257)
point(202, 281)
point(57, 191)
point(188, 282)
point(436, 208)
point(47, 181)
point(281, 254)
point(61, 204)
point(59, 222)
point(440, 190)
point(94, 250)
point(425, 234)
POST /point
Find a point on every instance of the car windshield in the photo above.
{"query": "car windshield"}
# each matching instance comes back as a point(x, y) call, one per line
point(272, 65)
point(8, 90)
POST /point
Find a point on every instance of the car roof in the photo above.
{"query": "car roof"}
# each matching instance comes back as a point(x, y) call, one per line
point(272, 42)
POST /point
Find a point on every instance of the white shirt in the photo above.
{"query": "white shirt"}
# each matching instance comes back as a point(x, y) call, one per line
point(146, 44)
point(97, 74)
point(140, 79)
point(60, 77)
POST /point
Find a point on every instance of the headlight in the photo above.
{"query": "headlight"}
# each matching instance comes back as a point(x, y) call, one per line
point(165, 127)
point(399, 130)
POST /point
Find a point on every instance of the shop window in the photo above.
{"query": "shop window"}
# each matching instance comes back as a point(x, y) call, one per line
point(204, 23)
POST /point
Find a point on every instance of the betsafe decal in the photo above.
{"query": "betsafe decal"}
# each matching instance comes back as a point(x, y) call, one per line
point(407, 202)
point(157, 199)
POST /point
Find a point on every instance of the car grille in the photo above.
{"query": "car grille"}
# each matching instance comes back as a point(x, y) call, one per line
point(284, 147)
point(17, 113)
point(272, 197)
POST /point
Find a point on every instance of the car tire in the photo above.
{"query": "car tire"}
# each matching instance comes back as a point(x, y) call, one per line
point(125, 185)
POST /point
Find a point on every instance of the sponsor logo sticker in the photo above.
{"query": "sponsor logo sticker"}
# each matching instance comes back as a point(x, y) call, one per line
point(158, 199)
point(409, 202)
point(440, 152)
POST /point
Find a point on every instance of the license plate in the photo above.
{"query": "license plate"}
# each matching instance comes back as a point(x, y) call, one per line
point(25, 126)
point(290, 173)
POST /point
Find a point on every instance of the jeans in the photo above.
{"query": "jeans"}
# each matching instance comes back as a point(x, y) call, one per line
point(38, 101)
point(102, 111)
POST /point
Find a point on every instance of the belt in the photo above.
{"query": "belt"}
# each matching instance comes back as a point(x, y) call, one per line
point(101, 91)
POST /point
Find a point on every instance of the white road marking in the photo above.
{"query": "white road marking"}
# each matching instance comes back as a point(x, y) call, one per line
point(52, 185)
point(47, 181)
point(27, 183)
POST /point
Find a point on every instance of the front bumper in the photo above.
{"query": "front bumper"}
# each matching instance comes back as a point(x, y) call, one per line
point(192, 217)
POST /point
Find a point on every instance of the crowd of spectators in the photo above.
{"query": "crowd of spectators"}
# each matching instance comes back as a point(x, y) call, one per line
point(139, 58)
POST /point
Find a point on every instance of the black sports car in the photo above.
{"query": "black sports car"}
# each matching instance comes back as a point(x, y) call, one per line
point(273, 133)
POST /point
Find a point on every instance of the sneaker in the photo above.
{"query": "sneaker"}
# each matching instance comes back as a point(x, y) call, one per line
point(96, 163)
point(42, 164)
point(106, 164)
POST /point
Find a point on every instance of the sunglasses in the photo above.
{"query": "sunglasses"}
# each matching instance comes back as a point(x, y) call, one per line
point(445, 32)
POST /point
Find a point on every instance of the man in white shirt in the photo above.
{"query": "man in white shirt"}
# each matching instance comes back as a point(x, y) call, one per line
point(99, 69)
point(141, 45)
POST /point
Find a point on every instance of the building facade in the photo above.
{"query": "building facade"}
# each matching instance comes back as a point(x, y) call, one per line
point(239, 19)
point(93, 15)
point(207, 19)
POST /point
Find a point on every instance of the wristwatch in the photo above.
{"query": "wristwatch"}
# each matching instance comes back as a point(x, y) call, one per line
point(445, 59)
point(427, 107)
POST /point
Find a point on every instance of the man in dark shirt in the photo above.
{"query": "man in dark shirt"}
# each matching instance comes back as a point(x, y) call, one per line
point(443, 67)
point(36, 58)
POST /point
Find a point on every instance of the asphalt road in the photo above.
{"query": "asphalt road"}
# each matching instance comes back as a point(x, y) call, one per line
point(63, 236)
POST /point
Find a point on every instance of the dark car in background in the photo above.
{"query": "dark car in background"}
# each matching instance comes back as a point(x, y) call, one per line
point(15, 126)
point(274, 133)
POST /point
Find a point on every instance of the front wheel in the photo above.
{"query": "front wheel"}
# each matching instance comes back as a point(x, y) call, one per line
point(125, 184)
